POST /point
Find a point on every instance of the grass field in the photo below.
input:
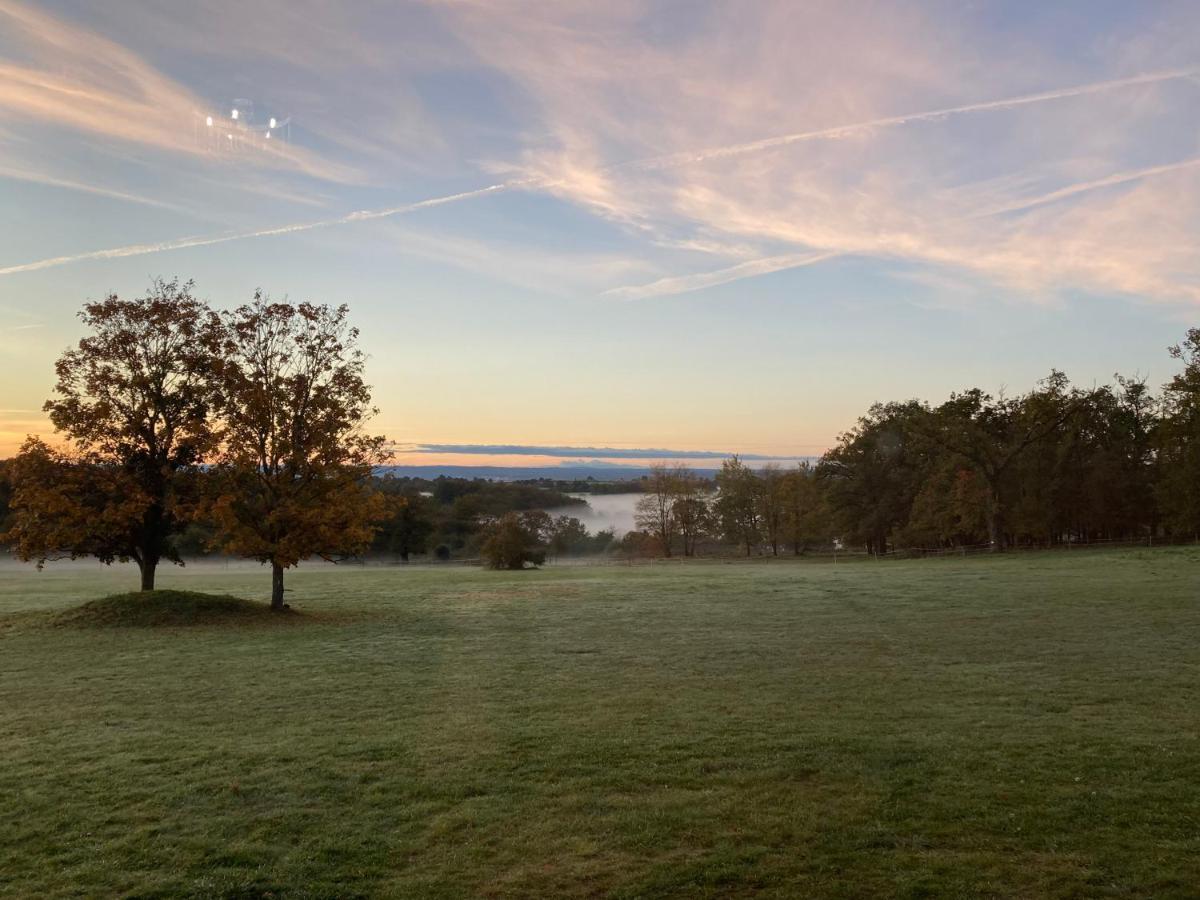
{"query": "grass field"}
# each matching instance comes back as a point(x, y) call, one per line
point(1020, 727)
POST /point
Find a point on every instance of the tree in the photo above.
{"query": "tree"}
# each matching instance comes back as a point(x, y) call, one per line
point(653, 513)
point(568, 535)
point(771, 503)
point(133, 403)
point(1179, 442)
point(514, 540)
point(949, 508)
point(870, 477)
point(800, 501)
point(293, 477)
point(408, 526)
point(991, 434)
point(690, 510)
point(737, 504)
point(6, 492)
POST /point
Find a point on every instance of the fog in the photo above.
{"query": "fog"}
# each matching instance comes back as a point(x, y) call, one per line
point(613, 511)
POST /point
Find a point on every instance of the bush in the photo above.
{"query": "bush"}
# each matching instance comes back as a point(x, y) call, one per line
point(512, 541)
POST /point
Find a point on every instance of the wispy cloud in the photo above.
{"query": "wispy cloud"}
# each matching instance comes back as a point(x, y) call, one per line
point(903, 133)
point(590, 186)
point(681, 284)
point(1117, 178)
point(185, 243)
point(18, 174)
point(58, 74)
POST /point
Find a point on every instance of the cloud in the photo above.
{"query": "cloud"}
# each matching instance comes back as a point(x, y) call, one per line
point(680, 284)
point(184, 243)
point(912, 123)
point(53, 181)
point(574, 453)
point(1117, 178)
point(593, 186)
point(56, 74)
point(902, 133)
point(836, 132)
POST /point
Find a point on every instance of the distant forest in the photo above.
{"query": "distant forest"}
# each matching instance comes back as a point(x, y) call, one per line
point(181, 431)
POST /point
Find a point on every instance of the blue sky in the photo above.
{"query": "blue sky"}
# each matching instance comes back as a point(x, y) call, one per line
point(700, 226)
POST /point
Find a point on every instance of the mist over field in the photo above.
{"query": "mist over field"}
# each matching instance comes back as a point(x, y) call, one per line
point(603, 511)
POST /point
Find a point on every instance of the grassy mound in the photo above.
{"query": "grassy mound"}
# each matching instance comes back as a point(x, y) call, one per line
point(143, 609)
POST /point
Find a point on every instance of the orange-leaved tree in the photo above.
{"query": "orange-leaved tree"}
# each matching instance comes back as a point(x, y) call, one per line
point(132, 403)
point(293, 475)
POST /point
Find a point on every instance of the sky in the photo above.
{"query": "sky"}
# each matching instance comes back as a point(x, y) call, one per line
point(579, 230)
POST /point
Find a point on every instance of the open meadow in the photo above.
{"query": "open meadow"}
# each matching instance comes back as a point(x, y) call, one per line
point(1012, 727)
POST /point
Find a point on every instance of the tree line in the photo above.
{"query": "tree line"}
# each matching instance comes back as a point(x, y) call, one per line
point(181, 429)
point(1057, 465)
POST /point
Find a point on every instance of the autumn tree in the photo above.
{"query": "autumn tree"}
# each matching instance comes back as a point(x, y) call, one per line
point(771, 504)
point(991, 434)
point(801, 506)
point(6, 491)
point(516, 538)
point(690, 510)
point(132, 404)
point(871, 476)
point(293, 476)
point(737, 505)
point(654, 511)
point(1179, 442)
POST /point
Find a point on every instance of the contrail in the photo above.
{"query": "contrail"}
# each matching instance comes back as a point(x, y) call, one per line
point(651, 163)
point(1107, 181)
point(682, 284)
point(183, 243)
point(838, 131)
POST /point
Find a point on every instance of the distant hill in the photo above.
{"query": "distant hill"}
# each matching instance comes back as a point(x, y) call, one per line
point(521, 473)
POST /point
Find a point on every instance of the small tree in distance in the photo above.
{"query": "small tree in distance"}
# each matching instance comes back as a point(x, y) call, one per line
point(514, 540)
point(737, 503)
point(654, 511)
point(295, 466)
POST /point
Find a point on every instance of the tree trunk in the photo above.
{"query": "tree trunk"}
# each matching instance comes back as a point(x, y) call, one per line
point(147, 567)
point(276, 587)
point(995, 538)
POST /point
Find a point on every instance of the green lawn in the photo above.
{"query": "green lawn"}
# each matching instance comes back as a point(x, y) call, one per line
point(1019, 727)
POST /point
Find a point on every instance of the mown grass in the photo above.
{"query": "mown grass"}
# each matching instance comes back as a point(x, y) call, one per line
point(1028, 726)
point(166, 608)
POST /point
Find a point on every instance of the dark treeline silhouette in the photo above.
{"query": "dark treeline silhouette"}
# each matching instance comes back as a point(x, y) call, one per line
point(1057, 465)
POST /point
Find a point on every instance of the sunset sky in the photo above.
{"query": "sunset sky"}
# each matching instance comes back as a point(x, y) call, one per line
point(566, 227)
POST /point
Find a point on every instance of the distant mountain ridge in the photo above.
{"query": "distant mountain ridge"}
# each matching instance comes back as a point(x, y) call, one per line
point(522, 473)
